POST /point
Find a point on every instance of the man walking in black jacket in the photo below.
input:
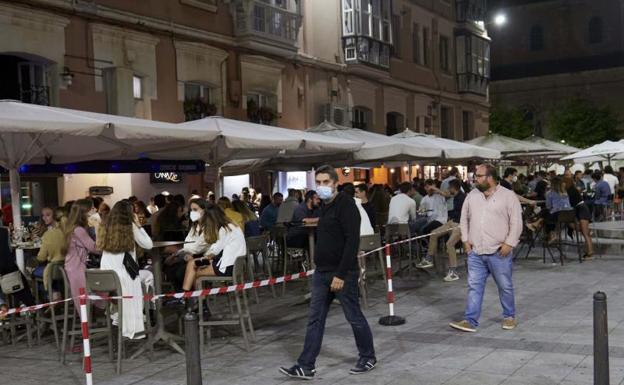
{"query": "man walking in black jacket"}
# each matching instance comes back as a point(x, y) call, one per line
point(336, 276)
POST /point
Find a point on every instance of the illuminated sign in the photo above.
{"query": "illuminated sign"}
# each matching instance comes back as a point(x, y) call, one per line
point(165, 177)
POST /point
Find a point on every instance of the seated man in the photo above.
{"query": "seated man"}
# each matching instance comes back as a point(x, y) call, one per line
point(434, 205)
point(402, 207)
point(287, 208)
point(268, 219)
point(308, 211)
point(454, 215)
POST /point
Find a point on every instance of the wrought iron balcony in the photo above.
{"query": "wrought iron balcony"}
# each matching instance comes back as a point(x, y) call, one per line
point(267, 24)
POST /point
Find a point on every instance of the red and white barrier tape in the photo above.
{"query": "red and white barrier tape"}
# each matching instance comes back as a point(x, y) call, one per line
point(390, 295)
point(86, 346)
point(220, 290)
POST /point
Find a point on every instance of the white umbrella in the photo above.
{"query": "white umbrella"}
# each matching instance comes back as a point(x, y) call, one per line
point(451, 149)
point(377, 146)
point(509, 147)
point(32, 133)
point(606, 150)
point(239, 140)
point(556, 148)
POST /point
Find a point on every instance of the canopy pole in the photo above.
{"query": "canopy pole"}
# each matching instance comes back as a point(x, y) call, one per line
point(14, 179)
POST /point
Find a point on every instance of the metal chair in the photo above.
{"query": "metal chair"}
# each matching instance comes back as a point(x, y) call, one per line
point(52, 274)
point(259, 245)
point(397, 232)
point(369, 243)
point(242, 316)
point(107, 281)
point(11, 323)
point(565, 219)
point(289, 254)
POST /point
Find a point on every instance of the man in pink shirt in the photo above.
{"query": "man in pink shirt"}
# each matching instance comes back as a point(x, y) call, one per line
point(491, 224)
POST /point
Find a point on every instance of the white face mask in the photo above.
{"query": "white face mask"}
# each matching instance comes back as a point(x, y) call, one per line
point(195, 216)
point(514, 179)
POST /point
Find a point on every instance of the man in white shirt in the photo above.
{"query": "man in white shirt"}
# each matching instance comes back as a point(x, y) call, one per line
point(402, 207)
point(434, 205)
point(611, 179)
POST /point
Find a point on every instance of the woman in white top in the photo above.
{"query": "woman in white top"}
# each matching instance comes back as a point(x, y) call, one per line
point(117, 237)
point(175, 264)
point(227, 242)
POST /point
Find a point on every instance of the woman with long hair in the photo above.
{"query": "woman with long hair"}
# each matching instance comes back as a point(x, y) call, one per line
point(169, 218)
point(117, 237)
point(195, 246)
point(141, 211)
point(78, 244)
point(252, 223)
point(227, 242)
point(583, 214)
point(46, 222)
point(556, 200)
point(228, 210)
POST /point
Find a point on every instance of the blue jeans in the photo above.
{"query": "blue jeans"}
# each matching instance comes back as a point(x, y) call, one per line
point(322, 298)
point(479, 268)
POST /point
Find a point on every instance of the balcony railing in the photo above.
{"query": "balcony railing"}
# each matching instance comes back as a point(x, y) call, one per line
point(260, 21)
point(36, 95)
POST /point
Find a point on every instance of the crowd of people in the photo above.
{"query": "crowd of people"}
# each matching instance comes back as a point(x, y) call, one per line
point(89, 233)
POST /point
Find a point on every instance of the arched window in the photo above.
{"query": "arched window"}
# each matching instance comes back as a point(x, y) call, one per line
point(536, 39)
point(595, 30)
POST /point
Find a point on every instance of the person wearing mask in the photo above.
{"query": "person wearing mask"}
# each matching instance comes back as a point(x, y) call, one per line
point(117, 239)
point(251, 222)
point(583, 215)
point(336, 276)
point(491, 225)
point(402, 208)
point(454, 215)
point(287, 208)
point(195, 244)
point(152, 208)
point(77, 246)
point(361, 192)
point(306, 213)
point(601, 197)
point(226, 241)
point(268, 218)
point(232, 214)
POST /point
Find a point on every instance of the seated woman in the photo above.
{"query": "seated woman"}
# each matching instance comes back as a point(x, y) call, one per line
point(252, 223)
point(168, 222)
point(46, 222)
point(51, 251)
point(227, 242)
point(196, 246)
point(116, 239)
point(229, 211)
point(8, 266)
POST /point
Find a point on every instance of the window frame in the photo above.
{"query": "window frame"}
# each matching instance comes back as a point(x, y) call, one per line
point(137, 80)
point(536, 38)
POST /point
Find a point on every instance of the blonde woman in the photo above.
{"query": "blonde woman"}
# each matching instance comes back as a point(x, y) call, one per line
point(116, 238)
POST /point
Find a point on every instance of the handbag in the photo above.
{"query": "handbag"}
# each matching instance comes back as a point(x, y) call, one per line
point(132, 267)
point(11, 282)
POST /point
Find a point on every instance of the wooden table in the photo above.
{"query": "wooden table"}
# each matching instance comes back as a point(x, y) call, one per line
point(160, 332)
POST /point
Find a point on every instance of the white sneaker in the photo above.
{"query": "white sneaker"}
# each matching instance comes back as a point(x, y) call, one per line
point(424, 264)
point(114, 318)
point(451, 276)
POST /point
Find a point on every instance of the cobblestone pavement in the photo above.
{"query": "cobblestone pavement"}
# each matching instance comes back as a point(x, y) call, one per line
point(552, 344)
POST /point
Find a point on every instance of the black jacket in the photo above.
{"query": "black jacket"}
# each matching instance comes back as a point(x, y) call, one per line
point(7, 259)
point(338, 236)
point(458, 202)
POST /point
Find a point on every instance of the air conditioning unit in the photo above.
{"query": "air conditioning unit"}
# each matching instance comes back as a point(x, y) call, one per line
point(337, 114)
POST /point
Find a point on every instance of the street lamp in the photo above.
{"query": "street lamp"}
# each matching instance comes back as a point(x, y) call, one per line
point(500, 19)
